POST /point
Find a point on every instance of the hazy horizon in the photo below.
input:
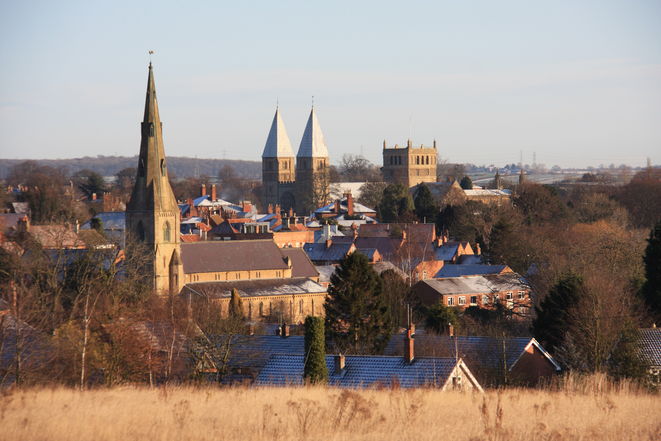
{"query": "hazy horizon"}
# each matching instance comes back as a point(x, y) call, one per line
point(577, 84)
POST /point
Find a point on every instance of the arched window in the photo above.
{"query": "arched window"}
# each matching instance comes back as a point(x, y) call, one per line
point(300, 306)
point(261, 309)
point(163, 168)
point(250, 310)
point(313, 307)
point(166, 232)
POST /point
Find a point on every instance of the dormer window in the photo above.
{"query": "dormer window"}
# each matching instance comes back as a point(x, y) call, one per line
point(151, 129)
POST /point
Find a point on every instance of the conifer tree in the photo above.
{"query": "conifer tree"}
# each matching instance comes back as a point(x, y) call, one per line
point(554, 313)
point(652, 287)
point(396, 204)
point(314, 369)
point(357, 316)
point(425, 206)
point(466, 183)
point(236, 305)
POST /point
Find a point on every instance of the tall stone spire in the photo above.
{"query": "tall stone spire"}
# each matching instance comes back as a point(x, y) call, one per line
point(152, 188)
point(277, 143)
point(152, 213)
point(313, 144)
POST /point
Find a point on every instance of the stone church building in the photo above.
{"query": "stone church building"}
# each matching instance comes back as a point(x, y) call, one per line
point(300, 183)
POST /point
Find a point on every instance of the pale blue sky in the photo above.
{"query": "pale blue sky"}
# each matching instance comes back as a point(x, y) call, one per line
point(578, 82)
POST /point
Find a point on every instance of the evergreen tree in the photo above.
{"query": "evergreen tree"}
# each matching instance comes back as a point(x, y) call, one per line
point(357, 315)
point(652, 288)
point(438, 317)
point(236, 305)
point(625, 360)
point(466, 183)
point(396, 204)
point(314, 369)
point(425, 206)
point(553, 314)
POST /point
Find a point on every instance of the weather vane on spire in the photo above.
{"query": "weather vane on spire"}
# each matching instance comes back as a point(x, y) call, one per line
point(150, 54)
point(313, 101)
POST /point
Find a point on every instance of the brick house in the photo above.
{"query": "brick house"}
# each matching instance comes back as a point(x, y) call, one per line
point(484, 291)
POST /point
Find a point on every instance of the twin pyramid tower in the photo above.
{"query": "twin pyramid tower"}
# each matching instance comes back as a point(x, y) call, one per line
point(300, 183)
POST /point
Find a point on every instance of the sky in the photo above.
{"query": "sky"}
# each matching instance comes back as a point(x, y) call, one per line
point(577, 83)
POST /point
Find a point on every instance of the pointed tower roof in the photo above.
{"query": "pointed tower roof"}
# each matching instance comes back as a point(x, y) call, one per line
point(152, 188)
point(277, 143)
point(313, 144)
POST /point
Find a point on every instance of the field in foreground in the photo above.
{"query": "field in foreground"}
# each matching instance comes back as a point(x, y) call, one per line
point(325, 414)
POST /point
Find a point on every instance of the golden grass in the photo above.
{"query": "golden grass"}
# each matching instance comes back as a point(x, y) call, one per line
point(317, 413)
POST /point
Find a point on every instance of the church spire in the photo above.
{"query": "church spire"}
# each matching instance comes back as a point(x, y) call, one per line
point(313, 144)
point(277, 143)
point(152, 213)
point(152, 188)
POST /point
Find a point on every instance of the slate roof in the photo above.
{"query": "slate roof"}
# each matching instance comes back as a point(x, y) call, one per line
point(277, 143)
point(9, 221)
point(650, 346)
point(231, 255)
point(361, 371)
point(325, 272)
point(470, 270)
point(301, 266)
point(256, 288)
point(318, 252)
point(382, 266)
point(387, 246)
point(470, 259)
point(416, 232)
point(255, 350)
point(447, 251)
point(357, 208)
point(485, 284)
point(111, 220)
point(479, 352)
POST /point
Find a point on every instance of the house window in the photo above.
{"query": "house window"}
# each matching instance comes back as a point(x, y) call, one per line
point(450, 301)
point(163, 168)
point(509, 296)
point(462, 300)
point(258, 274)
point(485, 300)
point(473, 300)
point(522, 295)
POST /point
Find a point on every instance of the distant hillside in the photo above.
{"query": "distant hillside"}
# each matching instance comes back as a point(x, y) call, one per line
point(180, 167)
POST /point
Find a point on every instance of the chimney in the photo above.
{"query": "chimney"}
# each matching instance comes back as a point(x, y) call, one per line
point(478, 250)
point(93, 196)
point(349, 203)
point(409, 350)
point(23, 225)
point(337, 206)
point(434, 143)
point(329, 242)
point(203, 190)
point(285, 330)
point(76, 227)
point(214, 195)
point(340, 361)
point(409, 143)
point(450, 330)
point(269, 209)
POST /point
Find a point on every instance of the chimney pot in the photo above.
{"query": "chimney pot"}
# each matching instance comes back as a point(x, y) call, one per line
point(340, 361)
point(214, 195)
point(410, 348)
point(203, 190)
point(285, 330)
point(329, 242)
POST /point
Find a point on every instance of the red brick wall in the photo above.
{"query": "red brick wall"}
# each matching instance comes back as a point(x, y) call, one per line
point(532, 367)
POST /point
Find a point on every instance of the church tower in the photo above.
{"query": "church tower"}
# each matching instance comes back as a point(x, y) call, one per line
point(278, 172)
point(152, 213)
point(312, 178)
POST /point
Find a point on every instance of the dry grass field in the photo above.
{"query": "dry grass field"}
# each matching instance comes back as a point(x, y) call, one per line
point(318, 413)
